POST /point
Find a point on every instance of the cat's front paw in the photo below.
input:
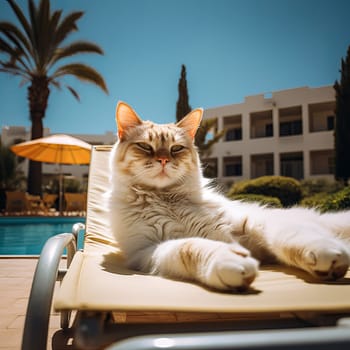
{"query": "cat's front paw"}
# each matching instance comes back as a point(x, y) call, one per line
point(327, 260)
point(230, 269)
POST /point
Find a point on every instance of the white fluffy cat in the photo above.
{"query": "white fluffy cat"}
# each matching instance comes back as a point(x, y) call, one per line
point(169, 222)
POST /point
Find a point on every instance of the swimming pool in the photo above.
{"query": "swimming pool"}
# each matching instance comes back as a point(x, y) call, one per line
point(27, 235)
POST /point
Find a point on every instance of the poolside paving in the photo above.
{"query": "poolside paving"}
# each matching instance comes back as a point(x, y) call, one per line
point(16, 276)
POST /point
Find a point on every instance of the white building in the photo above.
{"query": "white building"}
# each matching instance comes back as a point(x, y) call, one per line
point(287, 132)
point(15, 134)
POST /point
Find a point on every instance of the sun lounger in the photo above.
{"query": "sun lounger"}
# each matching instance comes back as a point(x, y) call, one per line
point(112, 304)
point(22, 203)
point(75, 202)
point(49, 201)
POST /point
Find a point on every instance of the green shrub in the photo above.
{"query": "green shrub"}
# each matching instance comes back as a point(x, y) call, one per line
point(272, 202)
point(314, 186)
point(337, 201)
point(329, 202)
point(315, 201)
point(286, 189)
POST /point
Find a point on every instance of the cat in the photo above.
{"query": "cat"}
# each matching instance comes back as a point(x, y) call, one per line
point(169, 221)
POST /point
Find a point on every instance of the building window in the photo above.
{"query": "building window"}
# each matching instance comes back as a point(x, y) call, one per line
point(233, 127)
point(322, 162)
point(321, 116)
point(268, 130)
point(261, 124)
point(233, 169)
point(291, 128)
point(330, 122)
point(233, 134)
point(292, 165)
point(261, 165)
point(290, 121)
point(233, 166)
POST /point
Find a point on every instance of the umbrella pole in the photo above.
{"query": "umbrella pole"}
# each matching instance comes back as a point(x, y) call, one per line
point(60, 190)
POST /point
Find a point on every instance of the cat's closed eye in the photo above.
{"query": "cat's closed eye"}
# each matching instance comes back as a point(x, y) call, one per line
point(144, 147)
point(176, 149)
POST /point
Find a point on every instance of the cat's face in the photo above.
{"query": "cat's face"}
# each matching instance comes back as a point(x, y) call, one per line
point(153, 155)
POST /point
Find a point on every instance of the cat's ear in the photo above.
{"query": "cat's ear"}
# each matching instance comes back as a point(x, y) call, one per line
point(190, 123)
point(126, 118)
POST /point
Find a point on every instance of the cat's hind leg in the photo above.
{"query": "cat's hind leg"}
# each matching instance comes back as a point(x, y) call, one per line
point(327, 260)
point(218, 265)
point(300, 237)
point(313, 249)
point(338, 223)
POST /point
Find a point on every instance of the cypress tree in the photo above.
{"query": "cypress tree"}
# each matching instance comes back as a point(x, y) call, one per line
point(207, 135)
point(182, 105)
point(342, 122)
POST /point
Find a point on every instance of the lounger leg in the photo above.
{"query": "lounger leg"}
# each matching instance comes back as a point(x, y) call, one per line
point(40, 300)
point(66, 315)
point(92, 330)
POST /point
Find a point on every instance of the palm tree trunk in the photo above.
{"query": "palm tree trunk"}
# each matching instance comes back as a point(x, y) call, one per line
point(38, 94)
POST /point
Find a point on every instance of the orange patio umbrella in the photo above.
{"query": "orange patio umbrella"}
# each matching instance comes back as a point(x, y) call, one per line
point(60, 149)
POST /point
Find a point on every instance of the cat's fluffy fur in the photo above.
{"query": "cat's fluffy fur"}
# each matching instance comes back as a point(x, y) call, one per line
point(169, 222)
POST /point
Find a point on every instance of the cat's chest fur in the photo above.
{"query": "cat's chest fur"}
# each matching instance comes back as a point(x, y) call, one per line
point(169, 215)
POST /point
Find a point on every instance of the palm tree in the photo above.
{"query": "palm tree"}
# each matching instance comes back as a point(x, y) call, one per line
point(33, 51)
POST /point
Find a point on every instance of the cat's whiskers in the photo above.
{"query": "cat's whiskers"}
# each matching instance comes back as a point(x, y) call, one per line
point(136, 178)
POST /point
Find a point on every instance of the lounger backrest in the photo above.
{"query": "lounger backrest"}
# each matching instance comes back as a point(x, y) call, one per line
point(49, 200)
point(16, 201)
point(75, 201)
point(98, 235)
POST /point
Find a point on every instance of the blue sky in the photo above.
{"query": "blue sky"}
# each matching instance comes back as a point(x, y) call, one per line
point(231, 48)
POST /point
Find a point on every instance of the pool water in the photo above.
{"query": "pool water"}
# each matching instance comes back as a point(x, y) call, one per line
point(27, 235)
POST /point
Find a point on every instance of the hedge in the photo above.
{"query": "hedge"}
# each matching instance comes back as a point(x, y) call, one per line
point(286, 189)
point(329, 202)
point(311, 187)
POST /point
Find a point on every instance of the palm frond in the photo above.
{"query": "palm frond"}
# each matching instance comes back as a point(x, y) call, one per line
point(34, 30)
point(44, 40)
point(66, 27)
point(13, 69)
point(56, 84)
point(202, 141)
point(55, 18)
point(14, 54)
point(24, 81)
point(39, 19)
point(73, 92)
point(52, 27)
point(75, 48)
point(17, 33)
point(6, 48)
point(34, 47)
point(19, 50)
point(21, 17)
point(82, 72)
point(44, 11)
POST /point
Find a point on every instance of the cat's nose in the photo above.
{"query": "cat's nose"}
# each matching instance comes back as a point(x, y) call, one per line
point(163, 160)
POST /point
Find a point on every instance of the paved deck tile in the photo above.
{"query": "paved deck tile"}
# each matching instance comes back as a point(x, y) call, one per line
point(16, 276)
